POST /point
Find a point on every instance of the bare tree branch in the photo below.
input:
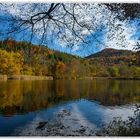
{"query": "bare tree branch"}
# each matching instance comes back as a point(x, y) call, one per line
point(69, 22)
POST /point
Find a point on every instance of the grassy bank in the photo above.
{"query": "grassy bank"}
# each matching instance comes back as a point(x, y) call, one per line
point(25, 77)
point(29, 77)
point(3, 77)
point(125, 78)
point(117, 78)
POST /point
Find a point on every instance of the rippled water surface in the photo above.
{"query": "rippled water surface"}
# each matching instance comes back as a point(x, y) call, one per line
point(73, 103)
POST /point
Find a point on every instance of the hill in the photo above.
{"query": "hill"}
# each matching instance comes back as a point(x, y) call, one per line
point(110, 57)
point(29, 49)
point(25, 58)
point(108, 52)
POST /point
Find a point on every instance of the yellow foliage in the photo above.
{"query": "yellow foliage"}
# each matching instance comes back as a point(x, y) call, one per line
point(10, 62)
point(60, 66)
point(27, 70)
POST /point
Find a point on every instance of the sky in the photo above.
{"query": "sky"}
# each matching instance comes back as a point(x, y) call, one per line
point(97, 40)
point(94, 46)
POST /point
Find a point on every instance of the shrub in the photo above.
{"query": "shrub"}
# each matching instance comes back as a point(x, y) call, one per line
point(113, 71)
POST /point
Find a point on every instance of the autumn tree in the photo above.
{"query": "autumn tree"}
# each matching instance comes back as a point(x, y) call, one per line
point(114, 71)
point(27, 70)
point(10, 63)
point(58, 69)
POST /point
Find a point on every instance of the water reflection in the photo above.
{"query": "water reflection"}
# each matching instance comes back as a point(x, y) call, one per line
point(90, 102)
point(26, 96)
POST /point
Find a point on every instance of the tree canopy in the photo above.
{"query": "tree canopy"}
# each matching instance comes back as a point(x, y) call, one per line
point(70, 23)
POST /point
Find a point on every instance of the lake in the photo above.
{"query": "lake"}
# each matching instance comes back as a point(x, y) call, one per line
point(63, 107)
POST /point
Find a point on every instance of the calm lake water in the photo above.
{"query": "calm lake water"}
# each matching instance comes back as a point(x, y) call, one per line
point(75, 102)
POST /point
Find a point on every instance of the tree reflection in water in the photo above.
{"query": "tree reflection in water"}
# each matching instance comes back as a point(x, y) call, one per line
point(26, 96)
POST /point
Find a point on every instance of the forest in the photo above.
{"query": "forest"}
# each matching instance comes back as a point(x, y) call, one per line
point(23, 58)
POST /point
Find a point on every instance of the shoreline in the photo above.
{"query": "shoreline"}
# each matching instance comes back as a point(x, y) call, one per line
point(24, 77)
point(125, 78)
point(31, 77)
point(116, 78)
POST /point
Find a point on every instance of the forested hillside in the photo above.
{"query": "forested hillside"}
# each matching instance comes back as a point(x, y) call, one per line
point(23, 58)
point(109, 57)
point(115, 63)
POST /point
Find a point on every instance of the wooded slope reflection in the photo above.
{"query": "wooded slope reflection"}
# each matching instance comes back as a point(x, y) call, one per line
point(26, 96)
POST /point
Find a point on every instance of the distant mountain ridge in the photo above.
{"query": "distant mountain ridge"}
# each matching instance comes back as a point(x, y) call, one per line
point(108, 52)
point(110, 56)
